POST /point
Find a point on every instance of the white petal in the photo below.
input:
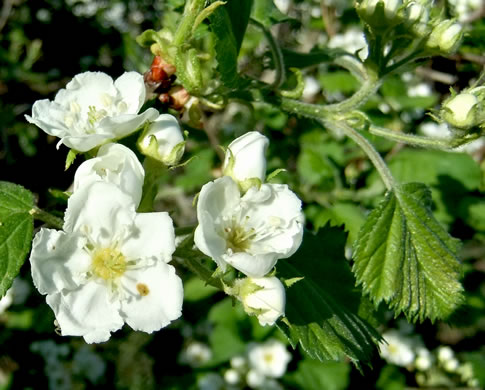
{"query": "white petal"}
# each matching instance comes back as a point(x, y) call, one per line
point(271, 298)
point(208, 241)
point(156, 300)
point(85, 142)
point(58, 261)
point(87, 312)
point(115, 164)
point(99, 211)
point(218, 197)
point(131, 89)
point(248, 152)
point(87, 89)
point(49, 116)
point(255, 266)
point(153, 235)
point(122, 125)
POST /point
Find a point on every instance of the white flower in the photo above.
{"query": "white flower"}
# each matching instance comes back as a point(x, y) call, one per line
point(254, 379)
point(445, 353)
point(262, 297)
point(163, 140)
point(245, 158)
point(196, 354)
point(269, 359)
point(250, 232)
point(424, 359)
point(93, 110)
point(397, 349)
point(232, 376)
point(115, 164)
point(108, 266)
point(352, 40)
point(238, 362)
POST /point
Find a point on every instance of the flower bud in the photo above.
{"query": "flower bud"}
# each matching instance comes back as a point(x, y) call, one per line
point(263, 297)
point(445, 36)
point(460, 111)
point(379, 14)
point(245, 159)
point(163, 140)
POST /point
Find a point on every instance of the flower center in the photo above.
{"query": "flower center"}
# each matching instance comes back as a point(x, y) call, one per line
point(238, 239)
point(108, 263)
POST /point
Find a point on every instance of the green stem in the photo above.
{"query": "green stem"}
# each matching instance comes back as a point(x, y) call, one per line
point(366, 146)
point(279, 62)
point(46, 217)
point(367, 89)
point(154, 170)
point(437, 143)
point(308, 110)
point(353, 65)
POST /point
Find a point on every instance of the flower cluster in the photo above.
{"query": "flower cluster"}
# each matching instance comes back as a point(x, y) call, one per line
point(109, 264)
point(249, 225)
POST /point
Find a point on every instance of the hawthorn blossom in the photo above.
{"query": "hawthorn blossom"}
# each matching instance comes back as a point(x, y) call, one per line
point(263, 297)
point(115, 164)
point(397, 348)
point(244, 159)
point(108, 266)
point(249, 232)
point(163, 140)
point(93, 110)
point(269, 359)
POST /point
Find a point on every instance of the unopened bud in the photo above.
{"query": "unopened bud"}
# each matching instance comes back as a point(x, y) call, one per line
point(379, 14)
point(163, 140)
point(445, 36)
point(461, 111)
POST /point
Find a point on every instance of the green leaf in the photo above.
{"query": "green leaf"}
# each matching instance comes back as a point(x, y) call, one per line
point(404, 257)
point(391, 378)
point(321, 309)
point(228, 23)
point(339, 81)
point(16, 228)
point(196, 289)
point(266, 13)
point(315, 375)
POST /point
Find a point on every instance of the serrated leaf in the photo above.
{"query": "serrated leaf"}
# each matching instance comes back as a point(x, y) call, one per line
point(404, 257)
point(321, 309)
point(228, 23)
point(16, 228)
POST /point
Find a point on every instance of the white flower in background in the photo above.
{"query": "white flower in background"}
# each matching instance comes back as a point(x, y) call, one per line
point(196, 354)
point(245, 157)
point(255, 379)
point(108, 266)
point(464, 9)
point(232, 376)
point(421, 89)
point(249, 232)
point(263, 297)
point(283, 5)
point(6, 301)
point(114, 164)
point(352, 40)
point(397, 349)
point(424, 359)
point(446, 357)
point(269, 359)
point(163, 140)
point(93, 110)
point(238, 362)
point(312, 87)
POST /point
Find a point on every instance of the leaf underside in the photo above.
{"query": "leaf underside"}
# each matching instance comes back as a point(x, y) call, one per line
point(321, 309)
point(404, 257)
point(16, 228)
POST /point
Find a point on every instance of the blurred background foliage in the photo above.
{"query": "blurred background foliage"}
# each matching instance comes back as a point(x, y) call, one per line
point(44, 43)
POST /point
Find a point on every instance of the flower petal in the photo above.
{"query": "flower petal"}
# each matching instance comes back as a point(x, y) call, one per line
point(153, 235)
point(86, 89)
point(115, 164)
point(122, 125)
point(208, 241)
point(131, 89)
point(99, 211)
point(87, 311)
point(58, 261)
point(218, 196)
point(255, 266)
point(156, 297)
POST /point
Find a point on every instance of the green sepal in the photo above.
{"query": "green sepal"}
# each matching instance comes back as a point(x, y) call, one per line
point(71, 156)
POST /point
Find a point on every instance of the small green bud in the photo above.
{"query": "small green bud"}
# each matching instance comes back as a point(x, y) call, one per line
point(445, 36)
point(461, 111)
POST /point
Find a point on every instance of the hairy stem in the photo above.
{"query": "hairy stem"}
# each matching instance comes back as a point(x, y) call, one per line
point(48, 218)
point(436, 143)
